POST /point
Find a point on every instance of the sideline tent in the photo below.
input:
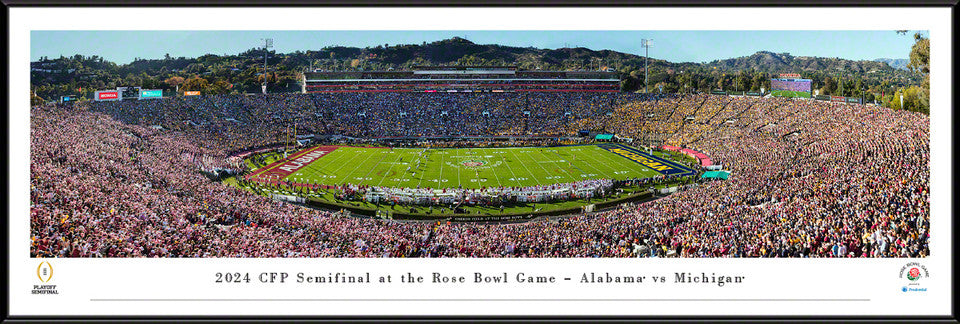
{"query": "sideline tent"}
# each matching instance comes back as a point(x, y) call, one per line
point(715, 175)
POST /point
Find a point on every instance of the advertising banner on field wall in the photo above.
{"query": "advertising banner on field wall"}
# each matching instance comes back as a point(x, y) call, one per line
point(151, 94)
point(107, 95)
point(191, 93)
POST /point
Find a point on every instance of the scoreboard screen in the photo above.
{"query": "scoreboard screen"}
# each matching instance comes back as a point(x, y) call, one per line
point(791, 87)
point(129, 92)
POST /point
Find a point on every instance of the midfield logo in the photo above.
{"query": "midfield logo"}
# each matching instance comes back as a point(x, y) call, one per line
point(474, 163)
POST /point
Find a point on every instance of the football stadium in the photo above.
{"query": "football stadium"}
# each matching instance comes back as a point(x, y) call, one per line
point(477, 161)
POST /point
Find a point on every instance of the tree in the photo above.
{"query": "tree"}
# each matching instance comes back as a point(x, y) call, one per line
point(174, 81)
point(858, 88)
point(757, 82)
point(471, 60)
point(196, 84)
point(742, 82)
point(219, 87)
point(911, 100)
point(684, 82)
point(920, 63)
point(829, 86)
point(630, 83)
point(35, 100)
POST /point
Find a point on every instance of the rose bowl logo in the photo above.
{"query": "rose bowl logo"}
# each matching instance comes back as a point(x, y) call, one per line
point(474, 163)
point(913, 271)
point(913, 274)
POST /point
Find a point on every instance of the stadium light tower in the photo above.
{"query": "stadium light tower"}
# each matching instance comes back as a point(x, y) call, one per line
point(267, 43)
point(646, 43)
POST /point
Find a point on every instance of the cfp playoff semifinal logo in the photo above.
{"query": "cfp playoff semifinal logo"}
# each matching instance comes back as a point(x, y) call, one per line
point(45, 274)
point(45, 271)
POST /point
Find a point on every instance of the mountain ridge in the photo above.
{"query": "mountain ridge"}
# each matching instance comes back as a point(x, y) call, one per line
point(243, 72)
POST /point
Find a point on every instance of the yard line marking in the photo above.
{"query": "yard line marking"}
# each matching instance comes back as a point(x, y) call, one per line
point(508, 167)
point(384, 176)
point(524, 165)
point(334, 173)
point(459, 184)
point(404, 176)
point(424, 162)
point(353, 156)
point(476, 172)
point(320, 167)
point(547, 158)
point(374, 167)
point(499, 184)
point(571, 163)
point(601, 162)
point(438, 177)
point(620, 161)
point(347, 177)
point(548, 172)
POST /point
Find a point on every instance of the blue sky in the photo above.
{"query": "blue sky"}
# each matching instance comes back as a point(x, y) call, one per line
point(675, 46)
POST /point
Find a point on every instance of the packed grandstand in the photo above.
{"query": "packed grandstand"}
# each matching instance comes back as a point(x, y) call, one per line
point(809, 178)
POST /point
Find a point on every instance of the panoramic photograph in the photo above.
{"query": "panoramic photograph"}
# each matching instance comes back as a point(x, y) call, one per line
point(480, 144)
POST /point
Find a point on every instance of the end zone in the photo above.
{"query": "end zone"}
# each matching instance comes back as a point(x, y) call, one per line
point(662, 166)
point(293, 163)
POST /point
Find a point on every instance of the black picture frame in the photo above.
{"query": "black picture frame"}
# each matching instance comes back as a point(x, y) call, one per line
point(443, 3)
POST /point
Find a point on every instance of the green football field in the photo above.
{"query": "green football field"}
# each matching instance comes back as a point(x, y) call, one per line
point(476, 167)
point(790, 94)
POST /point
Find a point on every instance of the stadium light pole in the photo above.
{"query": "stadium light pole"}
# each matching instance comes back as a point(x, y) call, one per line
point(267, 43)
point(646, 43)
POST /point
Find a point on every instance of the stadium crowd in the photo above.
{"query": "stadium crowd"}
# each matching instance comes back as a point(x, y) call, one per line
point(239, 122)
point(809, 179)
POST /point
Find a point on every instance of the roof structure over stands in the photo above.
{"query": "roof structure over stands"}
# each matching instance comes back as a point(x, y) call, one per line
point(460, 79)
